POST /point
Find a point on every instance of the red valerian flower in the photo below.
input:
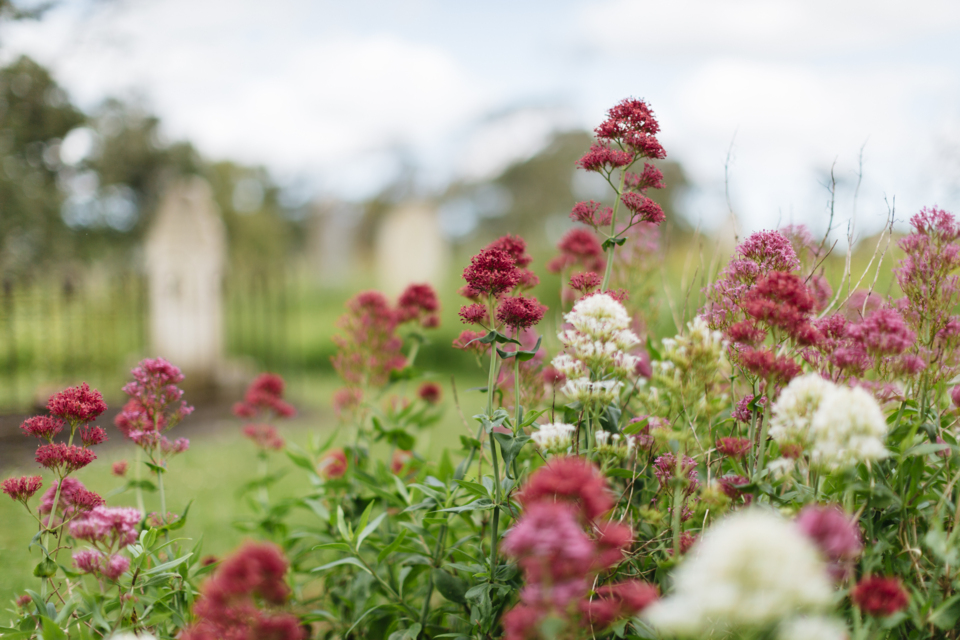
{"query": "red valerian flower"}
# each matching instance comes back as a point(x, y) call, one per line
point(77, 404)
point(880, 596)
point(767, 365)
point(265, 436)
point(600, 157)
point(430, 392)
point(518, 312)
point(632, 123)
point(69, 458)
point(733, 447)
point(74, 497)
point(578, 246)
point(333, 465)
point(515, 246)
point(468, 341)
point(492, 272)
point(591, 214)
point(730, 485)
point(882, 333)
point(649, 178)
point(475, 313)
point(119, 468)
point(616, 601)
point(419, 302)
point(643, 208)
point(613, 539)
point(665, 469)
point(585, 282)
point(91, 436)
point(370, 348)
point(781, 300)
point(23, 488)
point(834, 532)
point(399, 460)
point(43, 427)
point(569, 478)
point(227, 607)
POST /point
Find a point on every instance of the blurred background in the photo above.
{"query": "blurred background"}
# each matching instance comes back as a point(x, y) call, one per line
point(210, 181)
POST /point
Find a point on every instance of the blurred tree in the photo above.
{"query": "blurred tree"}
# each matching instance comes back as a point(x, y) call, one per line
point(35, 115)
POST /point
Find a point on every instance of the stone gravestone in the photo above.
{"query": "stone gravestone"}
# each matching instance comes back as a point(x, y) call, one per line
point(332, 230)
point(186, 252)
point(410, 248)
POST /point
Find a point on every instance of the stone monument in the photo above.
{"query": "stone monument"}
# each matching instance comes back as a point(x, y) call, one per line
point(186, 252)
point(410, 248)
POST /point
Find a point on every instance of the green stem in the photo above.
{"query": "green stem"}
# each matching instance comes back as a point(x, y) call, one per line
point(137, 465)
point(678, 501)
point(763, 439)
point(263, 494)
point(163, 497)
point(613, 232)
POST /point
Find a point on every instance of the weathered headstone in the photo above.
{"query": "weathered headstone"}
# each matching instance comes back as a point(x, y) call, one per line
point(186, 252)
point(332, 241)
point(410, 248)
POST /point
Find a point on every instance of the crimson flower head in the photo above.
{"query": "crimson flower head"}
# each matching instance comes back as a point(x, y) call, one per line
point(585, 282)
point(265, 393)
point(492, 272)
point(643, 208)
point(265, 436)
point(74, 498)
point(419, 302)
point(880, 596)
point(603, 158)
point(468, 341)
point(518, 312)
point(781, 300)
point(119, 468)
point(347, 399)
point(430, 392)
point(733, 447)
point(592, 214)
point(91, 436)
point(23, 488)
point(833, 531)
point(578, 246)
point(474, 313)
point(882, 333)
point(77, 404)
point(649, 178)
point(43, 427)
point(616, 601)
point(64, 458)
point(333, 465)
point(569, 478)
point(767, 365)
point(632, 124)
point(515, 246)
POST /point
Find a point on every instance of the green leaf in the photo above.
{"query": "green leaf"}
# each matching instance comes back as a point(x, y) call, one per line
point(409, 633)
point(370, 528)
point(342, 525)
point(610, 419)
point(654, 354)
point(364, 517)
point(334, 546)
point(157, 468)
point(50, 630)
point(609, 242)
point(620, 473)
point(392, 547)
point(180, 522)
point(947, 614)
point(477, 505)
point(300, 458)
point(926, 449)
point(449, 586)
point(635, 427)
point(167, 565)
point(510, 447)
point(342, 561)
point(445, 468)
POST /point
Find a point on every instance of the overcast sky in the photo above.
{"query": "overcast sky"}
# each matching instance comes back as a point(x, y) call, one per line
point(330, 94)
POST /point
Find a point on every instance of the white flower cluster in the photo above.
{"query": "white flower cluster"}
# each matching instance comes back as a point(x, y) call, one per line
point(596, 349)
point(812, 628)
point(699, 345)
point(555, 437)
point(750, 571)
point(614, 444)
point(839, 426)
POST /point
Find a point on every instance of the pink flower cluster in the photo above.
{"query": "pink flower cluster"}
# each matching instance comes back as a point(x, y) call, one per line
point(880, 596)
point(264, 400)
point(370, 348)
point(97, 563)
point(155, 406)
point(112, 527)
point(578, 248)
point(75, 499)
point(561, 544)
point(836, 535)
point(75, 407)
point(494, 279)
point(234, 602)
